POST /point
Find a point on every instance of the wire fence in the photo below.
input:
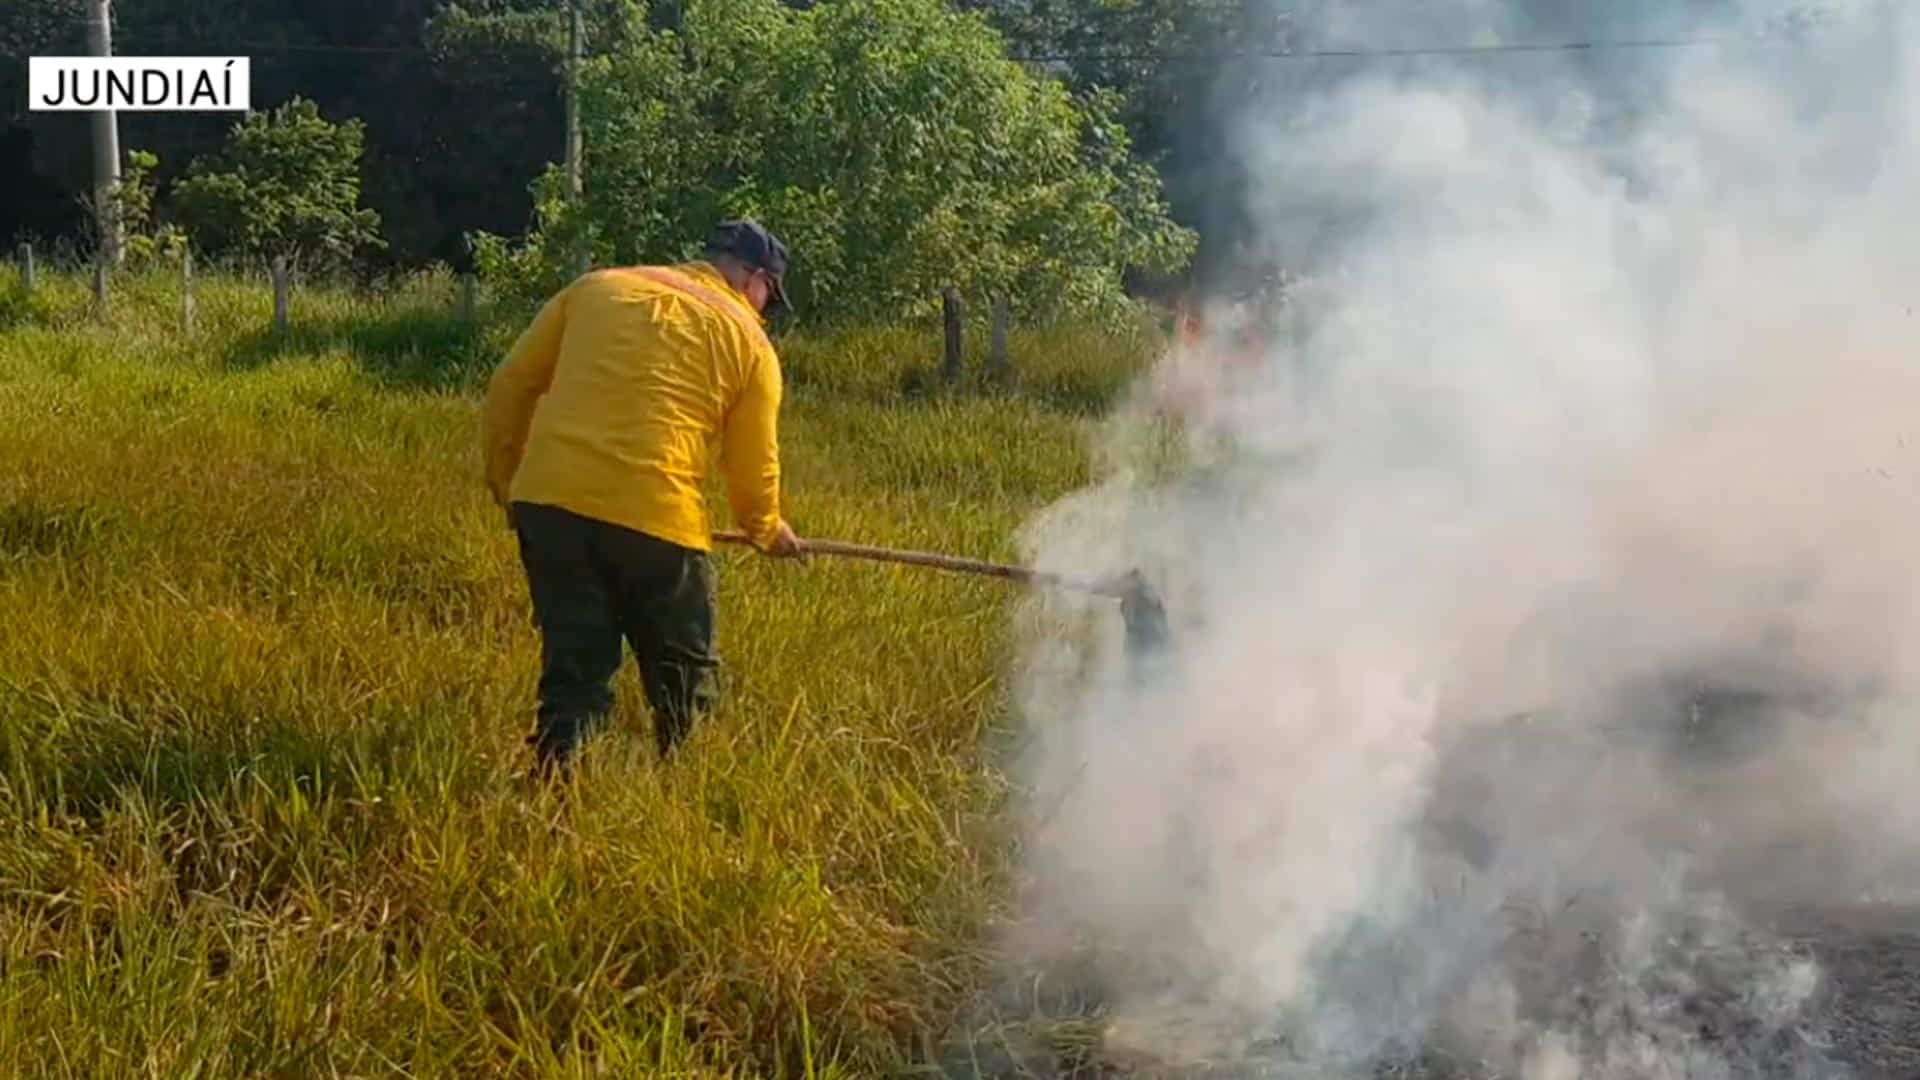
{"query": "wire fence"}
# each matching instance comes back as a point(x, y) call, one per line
point(463, 295)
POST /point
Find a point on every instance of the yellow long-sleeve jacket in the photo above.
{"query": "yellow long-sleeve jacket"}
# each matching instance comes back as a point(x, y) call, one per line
point(610, 403)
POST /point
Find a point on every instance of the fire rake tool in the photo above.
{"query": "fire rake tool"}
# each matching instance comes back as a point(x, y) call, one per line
point(1141, 611)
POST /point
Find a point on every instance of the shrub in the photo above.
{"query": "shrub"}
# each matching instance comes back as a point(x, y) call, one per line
point(287, 183)
point(892, 143)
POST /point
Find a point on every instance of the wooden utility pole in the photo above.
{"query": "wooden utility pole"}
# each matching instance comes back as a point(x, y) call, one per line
point(106, 140)
point(575, 46)
point(576, 144)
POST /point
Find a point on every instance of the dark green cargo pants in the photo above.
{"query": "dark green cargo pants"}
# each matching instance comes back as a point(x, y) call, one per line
point(594, 587)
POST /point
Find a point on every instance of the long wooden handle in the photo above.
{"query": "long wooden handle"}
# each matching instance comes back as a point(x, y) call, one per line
point(937, 561)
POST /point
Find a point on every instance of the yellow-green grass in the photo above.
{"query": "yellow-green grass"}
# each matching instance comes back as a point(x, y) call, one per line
point(267, 665)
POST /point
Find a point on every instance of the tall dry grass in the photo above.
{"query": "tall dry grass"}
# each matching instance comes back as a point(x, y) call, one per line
point(267, 666)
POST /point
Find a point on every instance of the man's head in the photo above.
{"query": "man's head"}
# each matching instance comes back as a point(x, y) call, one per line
point(752, 260)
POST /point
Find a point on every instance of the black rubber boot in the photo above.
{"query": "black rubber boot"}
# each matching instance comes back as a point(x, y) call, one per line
point(557, 742)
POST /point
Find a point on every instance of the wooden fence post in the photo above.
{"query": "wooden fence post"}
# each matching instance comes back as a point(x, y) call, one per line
point(997, 364)
point(951, 311)
point(26, 266)
point(469, 296)
point(186, 290)
point(280, 294)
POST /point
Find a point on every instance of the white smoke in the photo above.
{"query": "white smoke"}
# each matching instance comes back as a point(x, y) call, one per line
point(1543, 589)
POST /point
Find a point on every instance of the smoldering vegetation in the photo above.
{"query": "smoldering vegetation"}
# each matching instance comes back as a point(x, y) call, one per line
point(1542, 701)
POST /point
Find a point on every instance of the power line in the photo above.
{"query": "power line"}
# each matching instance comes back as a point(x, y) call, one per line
point(1091, 57)
point(245, 47)
point(1641, 44)
point(200, 46)
point(1369, 54)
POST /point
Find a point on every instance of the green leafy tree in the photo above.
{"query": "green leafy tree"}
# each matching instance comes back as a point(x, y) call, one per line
point(892, 142)
point(287, 183)
point(147, 239)
point(33, 28)
point(1181, 79)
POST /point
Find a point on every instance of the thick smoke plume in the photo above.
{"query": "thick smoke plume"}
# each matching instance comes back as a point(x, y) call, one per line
point(1543, 572)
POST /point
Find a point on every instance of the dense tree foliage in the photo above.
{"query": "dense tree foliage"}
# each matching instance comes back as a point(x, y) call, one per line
point(890, 141)
point(462, 102)
point(893, 142)
point(452, 135)
point(286, 184)
point(1170, 64)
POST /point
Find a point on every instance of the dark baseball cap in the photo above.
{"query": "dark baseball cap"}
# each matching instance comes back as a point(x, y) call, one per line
point(751, 243)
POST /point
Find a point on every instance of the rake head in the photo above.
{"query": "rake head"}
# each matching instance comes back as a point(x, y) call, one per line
point(1142, 614)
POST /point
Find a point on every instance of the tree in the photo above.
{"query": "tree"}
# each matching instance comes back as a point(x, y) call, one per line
point(892, 142)
point(33, 202)
point(147, 240)
point(287, 183)
point(1172, 68)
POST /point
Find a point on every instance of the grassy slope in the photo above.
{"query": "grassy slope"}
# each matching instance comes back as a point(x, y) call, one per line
point(267, 667)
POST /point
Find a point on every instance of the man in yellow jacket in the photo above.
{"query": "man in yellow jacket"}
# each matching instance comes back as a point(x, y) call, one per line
point(596, 430)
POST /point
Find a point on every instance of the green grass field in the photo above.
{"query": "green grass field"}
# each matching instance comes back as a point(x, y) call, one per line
point(267, 666)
